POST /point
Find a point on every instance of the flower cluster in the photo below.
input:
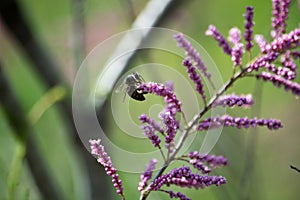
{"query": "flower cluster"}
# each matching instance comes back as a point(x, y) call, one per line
point(191, 53)
point(238, 48)
point(287, 60)
point(177, 195)
point(234, 100)
point(263, 61)
point(195, 77)
point(98, 150)
point(184, 177)
point(145, 119)
point(284, 42)
point(280, 81)
point(150, 128)
point(200, 162)
point(212, 31)
point(239, 122)
point(248, 27)
point(261, 41)
point(280, 11)
point(147, 175)
point(173, 105)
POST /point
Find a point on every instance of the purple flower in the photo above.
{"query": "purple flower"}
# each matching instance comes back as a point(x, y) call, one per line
point(248, 27)
point(150, 133)
point(284, 42)
point(225, 120)
point(200, 162)
point(172, 126)
point(237, 53)
point(280, 15)
point(195, 77)
point(145, 119)
point(296, 54)
point(281, 71)
point(287, 61)
point(147, 175)
point(208, 159)
point(280, 81)
point(276, 19)
point(173, 105)
point(234, 35)
point(263, 61)
point(234, 100)
point(212, 31)
point(178, 195)
point(98, 150)
point(191, 53)
point(238, 48)
point(285, 4)
point(261, 41)
point(184, 177)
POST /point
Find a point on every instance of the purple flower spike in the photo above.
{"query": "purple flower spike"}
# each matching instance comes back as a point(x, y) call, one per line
point(276, 19)
point(238, 48)
point(147, 175)
point(172, 126)
point(280, 15)
point(98, 150)
point(225, 120)
point(234, 35)
point(261, 41)
point(184, 177)
point(150, 133)
point(237, 53)
point(192, 53)
point(212, 31)
point(195, 77)
point(178, 195)
point(284, 72)
point(173, 105)
point(145, 119)
point(285, 4)
point(198, 160)
point(280, 81)
point(248, 27)
point(232, 100)
point(288, 62)
point(263, 61)
point(296, 55)
point(285, 42)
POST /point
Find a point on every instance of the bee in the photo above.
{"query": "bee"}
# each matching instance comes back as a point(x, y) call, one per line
point(131, 83)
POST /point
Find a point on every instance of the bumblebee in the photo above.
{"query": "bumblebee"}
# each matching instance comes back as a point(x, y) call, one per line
point(131, 84)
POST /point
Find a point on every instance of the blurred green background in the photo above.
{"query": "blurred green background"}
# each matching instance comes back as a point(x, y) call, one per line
point(270, 176)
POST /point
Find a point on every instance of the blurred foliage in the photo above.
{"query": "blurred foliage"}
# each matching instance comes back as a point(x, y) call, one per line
point(51, 21)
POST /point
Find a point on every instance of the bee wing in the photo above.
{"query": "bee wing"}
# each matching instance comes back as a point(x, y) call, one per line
point(120, 88)
point(138, 77)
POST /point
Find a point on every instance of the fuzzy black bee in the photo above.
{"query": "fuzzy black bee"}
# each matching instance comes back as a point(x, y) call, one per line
point(131, 83)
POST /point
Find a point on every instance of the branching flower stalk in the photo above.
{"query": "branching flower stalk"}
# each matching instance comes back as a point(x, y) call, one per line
point(284, 47)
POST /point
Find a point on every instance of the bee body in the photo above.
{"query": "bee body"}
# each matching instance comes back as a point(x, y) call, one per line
point(137, 95)
point(132, 83)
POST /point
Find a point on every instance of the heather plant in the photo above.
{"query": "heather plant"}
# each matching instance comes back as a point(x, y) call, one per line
point(274, 64)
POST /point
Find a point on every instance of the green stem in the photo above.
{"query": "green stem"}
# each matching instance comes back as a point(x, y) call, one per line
point(16, 168)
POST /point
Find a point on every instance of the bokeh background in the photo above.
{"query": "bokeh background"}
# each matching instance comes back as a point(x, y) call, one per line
point(259, 161)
